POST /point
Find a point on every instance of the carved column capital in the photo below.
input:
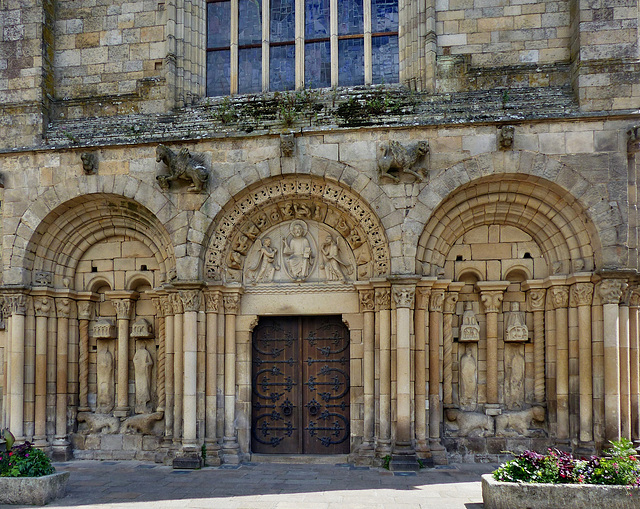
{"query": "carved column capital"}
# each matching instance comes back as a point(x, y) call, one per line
point(492, 300)
point(559, 296)
point(537, 299)
point(165, 301)
point(231, 303)
point(85, 309)
point(581, 294)
point(63, 307)
point(383, 298)
point(437, 299)
point(190, 300)
point(212, 301)
point(450, 301)
point(422, 297)
point(634, 300)
point(611, 290)
point(176, 303)
point(157, 303)
point(123, 308)
point(367, 300)
point(403, 296)
point(43, 306)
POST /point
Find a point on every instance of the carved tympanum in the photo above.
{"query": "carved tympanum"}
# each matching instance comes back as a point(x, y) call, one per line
point(396, 158)
point(182, 166)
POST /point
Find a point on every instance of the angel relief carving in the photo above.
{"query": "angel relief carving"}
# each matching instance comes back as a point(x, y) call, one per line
point(299, 251)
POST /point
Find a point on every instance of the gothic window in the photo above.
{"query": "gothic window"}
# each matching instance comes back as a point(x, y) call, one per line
point(262, 45)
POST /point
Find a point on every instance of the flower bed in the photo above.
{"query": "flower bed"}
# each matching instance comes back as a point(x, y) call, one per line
point(27, 476)
point(557, 479)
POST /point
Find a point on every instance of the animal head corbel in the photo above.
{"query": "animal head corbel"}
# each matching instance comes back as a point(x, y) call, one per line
point(506, 136)
point(89, 163)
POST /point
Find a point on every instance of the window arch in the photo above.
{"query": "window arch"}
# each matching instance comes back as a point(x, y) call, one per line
point(261, 45)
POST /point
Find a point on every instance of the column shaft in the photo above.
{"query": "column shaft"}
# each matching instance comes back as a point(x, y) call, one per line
point(61, 378)
point(16, 420)
point(422, 301)
point(168, 370)
point(229, 377)
point(178, 367)
point(123, 365)
point(625, 395)
point(634, 363)
point(40, 425)
point(211, 376)
point(190, 374)
point(403, 373)
point(562, 372)
point(435, 319)
point(369, 377)
point(384, 316)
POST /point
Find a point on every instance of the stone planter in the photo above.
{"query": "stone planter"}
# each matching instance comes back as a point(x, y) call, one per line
point(33, 490)
point(507, 495)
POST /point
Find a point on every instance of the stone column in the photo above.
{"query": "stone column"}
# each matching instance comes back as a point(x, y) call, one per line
point(560, 300)
point(581, 297)
point(42, 307)
point(168, 366)
point(191, 306)
point(367, 307)
point(230, 446)
point(122, 302)
point(211, 375)
point(634, 362)
point(491, 294)
point(160, 368)
point(610, 292)
point(383, 305)
point(16, 381)
point(178, 365)
point(60, 443)
point(625, 394)
point(536, 298)
point(85, 310)
point(450, 301)
point(422, 303)
point(6, 400)
point(435, 328)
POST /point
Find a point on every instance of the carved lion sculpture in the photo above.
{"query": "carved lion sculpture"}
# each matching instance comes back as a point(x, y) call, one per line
point(397, 158)
point(143, 423)
point(524, 423)
point(99, 423)
point(182, 166)
point(468, 424)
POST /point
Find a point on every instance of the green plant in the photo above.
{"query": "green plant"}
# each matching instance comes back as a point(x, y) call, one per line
point(226, 112)
point(23, 460)
point(385, 461)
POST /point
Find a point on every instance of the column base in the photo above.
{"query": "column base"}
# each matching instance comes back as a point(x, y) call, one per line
point(84, 409)
point(383, 447)
point(61, 450)
point(230, 451)
point(423, 452)
point(121, 412)
point(188, 459)
point(438, 452)
point(213, 453)
point(404, 459)
point(586, 449)
point(492, 409)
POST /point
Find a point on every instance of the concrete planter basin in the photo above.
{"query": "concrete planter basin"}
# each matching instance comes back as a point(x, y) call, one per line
point(33, 490)
point(508, 495)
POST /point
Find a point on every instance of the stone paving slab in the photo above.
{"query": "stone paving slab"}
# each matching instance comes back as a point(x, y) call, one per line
point(136, 485)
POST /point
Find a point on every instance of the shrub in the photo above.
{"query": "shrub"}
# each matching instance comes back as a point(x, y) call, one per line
point(23, 460)
point(620, 466)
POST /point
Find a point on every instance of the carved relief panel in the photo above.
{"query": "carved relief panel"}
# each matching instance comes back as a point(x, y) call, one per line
point(299, 251)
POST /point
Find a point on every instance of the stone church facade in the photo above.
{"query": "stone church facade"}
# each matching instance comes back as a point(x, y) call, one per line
point(439, 261)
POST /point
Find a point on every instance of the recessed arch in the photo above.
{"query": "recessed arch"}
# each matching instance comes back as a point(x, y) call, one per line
point(274, 201)
point(559, 226)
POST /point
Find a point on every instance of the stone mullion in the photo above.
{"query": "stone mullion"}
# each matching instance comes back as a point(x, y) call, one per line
point(178, 365)
point(625, 393)
point(450, 302)
point(422, 303)
point(43, 308)
point(634, 362)
point(367, 307)
point(383, 304)
point(230, 442)
point(610, 292)
point(168, 366)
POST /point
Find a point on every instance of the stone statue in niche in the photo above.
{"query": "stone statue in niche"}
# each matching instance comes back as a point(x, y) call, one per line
point(297, 251)
point(104, 372)
point(266, 263)
point(470, 329)
point(514, 376)
point(334, 267)
point(143, 364)
point(515, 326)
point(182, 166)
point(524, 423)
point(468, 424)
point(468, 381)
point(397, 158)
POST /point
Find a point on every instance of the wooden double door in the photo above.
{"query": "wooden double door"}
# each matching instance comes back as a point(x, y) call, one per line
point(300, 386)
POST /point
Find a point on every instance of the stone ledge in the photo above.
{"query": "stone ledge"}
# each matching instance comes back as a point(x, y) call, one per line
point(506, 495)
point(33, 490)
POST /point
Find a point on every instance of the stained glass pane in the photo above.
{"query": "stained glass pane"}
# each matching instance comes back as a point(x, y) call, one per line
point(316, 19)
point(385, 15)
point(385, 59)
point(350, 17)
point(282, 68)
point(350, 62)
point(219, 24)
point(283, 23)
point(249, 22)
point(249, 70)
point(317, 64)
point(218, 73)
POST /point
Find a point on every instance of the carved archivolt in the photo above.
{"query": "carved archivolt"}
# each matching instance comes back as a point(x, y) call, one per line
point(349, 240)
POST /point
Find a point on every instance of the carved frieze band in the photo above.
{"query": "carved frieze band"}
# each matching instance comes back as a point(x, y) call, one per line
point(403, 296)
point(610, 290)
point(367, 300)
point(581, 294)
point(300, 198)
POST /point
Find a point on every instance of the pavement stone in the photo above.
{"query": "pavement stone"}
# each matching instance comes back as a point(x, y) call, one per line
point(137, 485)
